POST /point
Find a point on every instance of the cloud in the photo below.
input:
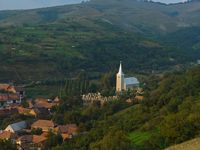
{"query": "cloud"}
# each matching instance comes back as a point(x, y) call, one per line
point(170, 1)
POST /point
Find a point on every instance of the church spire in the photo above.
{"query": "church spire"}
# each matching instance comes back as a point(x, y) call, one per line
point(120, 68)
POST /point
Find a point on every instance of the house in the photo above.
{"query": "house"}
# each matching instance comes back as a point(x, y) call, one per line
point(44, 103)
point(23, 111)
point(24, 141)
point(31, 141)
point(16, 127)
point(6, 135)
point(10, 88)
point(4, 112)
point(45, 125)
point(9, 98)
point(67, 131)
point(41, 113)
point(7, 88)
point(39, 140)
point(139, 98)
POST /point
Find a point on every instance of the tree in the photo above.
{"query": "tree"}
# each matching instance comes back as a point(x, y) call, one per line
point(53, 140)
point(7, 145)
point(113, 141)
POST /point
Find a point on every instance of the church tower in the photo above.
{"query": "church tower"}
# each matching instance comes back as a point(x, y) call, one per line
point(120, 79)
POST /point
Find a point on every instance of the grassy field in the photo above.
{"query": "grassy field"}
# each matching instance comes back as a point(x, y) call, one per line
point(139, 137)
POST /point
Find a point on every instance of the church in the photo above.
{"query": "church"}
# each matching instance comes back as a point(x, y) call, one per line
point(122, 83)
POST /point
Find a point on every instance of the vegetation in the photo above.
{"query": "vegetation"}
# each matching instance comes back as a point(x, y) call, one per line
point(5, 145)
point(168, 115)
point(67, 51)
point(63, 41)
point(53, 140)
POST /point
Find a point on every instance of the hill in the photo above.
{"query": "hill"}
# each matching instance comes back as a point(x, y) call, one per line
point(168, 115)
point(131, 15)
point(42, 44)
point(192, 145)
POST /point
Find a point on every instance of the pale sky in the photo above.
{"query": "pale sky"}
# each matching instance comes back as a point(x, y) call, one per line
point(28, 4)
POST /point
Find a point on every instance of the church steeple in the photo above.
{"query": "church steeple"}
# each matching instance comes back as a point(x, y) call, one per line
point(120, 68)
point(120, 79)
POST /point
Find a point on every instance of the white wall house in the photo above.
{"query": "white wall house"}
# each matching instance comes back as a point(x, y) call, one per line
point(16, 127)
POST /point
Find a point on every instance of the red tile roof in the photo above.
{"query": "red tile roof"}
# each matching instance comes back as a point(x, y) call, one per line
point(45, 125)
point(5, 97)
point(38, 139)
point(43, 103)
point(67, 129)
point(7, 135)
point(7, 87)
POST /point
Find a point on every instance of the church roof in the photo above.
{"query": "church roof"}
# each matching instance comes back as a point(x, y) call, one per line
point(120, 68)
point(131, 80)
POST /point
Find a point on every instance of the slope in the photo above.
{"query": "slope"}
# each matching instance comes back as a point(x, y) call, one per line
point(54, 43)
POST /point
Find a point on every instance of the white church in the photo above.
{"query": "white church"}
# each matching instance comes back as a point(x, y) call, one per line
point(123, 84)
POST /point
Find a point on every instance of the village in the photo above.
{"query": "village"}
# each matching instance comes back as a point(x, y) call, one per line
point(33, 134)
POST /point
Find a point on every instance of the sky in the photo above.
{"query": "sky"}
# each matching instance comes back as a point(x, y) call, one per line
point(29, 4)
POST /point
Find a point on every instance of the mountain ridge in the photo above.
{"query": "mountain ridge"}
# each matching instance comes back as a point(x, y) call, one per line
point(131, 14)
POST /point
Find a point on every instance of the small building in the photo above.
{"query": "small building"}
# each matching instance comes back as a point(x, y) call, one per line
point(42, 113)
point(45, 125)
point(4, 87)
point(10, 88)
point(23, 111)
point(44, 103)
point(4, 112)
point(16, 127)
point(7, 135)
point(67, 131)
point(9, 98)
point(31, 141)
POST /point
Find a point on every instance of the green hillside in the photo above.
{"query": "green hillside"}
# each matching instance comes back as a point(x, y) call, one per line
point(132, 15)
point(58, 42)
point(169, 115)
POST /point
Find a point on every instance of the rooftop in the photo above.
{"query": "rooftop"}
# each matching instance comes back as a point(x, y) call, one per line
point(131, 80)
point(43, 123)
point(16, 126)
point(7, 135)
point(6, 97)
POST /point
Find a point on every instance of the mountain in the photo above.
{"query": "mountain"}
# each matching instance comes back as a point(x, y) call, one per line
point(58, 42)
point(131, 15)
